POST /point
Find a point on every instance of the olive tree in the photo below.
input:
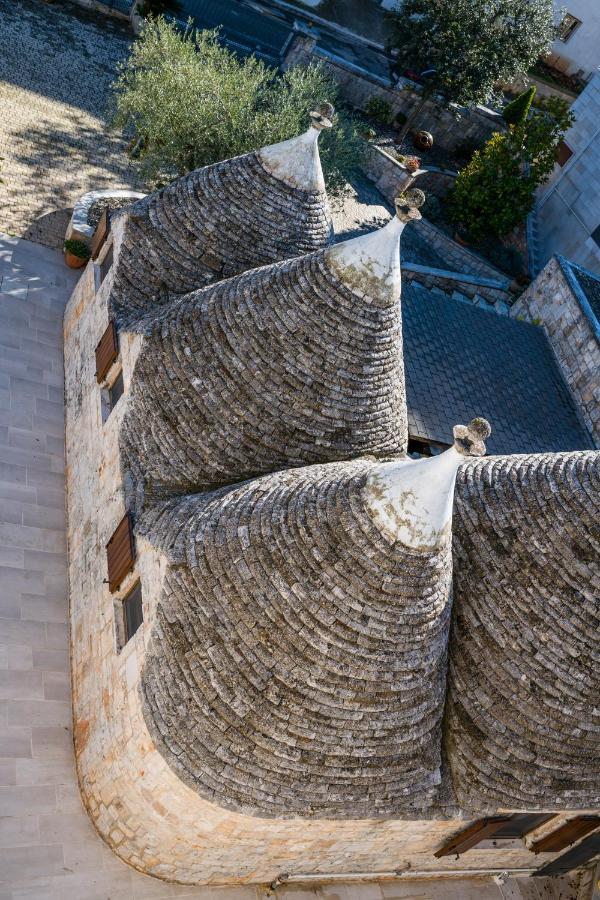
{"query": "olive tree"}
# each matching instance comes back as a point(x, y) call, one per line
point(465, 47)
point(187, 101)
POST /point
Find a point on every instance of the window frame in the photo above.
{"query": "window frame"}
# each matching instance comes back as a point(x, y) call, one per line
point(567, 27)
point(135, 589)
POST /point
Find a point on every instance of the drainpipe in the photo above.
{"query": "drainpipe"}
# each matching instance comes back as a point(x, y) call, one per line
point(407, 874)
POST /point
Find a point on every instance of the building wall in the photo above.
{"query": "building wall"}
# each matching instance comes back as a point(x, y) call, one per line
point(550, 301)
point(582, 50)
point(568, 207)
point(150, 818)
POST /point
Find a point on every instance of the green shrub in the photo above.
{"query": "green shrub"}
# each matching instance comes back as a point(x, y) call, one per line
point(517, 110)
point(187, 102)
point(494, 192)
point(379, 110)
point(77, 248)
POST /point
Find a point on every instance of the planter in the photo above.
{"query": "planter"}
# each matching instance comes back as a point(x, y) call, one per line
point(74, 262)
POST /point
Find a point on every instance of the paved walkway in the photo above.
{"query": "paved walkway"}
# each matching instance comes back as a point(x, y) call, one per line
point(48, 848)
point(56, 65)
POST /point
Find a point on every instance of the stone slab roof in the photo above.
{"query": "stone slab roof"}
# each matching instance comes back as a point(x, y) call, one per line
point(295, 363)
point(219, 221)
point(522, 719)
point(298, 656)
point(461, 361)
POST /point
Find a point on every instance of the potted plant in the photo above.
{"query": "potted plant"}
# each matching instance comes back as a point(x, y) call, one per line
point(77, 253)
point(411, 164)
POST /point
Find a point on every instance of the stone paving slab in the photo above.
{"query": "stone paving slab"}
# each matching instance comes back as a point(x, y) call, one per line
point(56, 64)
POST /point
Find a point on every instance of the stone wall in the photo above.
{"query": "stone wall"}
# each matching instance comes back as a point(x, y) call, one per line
point(358, 86)
point(551, 301)
point(459, 259)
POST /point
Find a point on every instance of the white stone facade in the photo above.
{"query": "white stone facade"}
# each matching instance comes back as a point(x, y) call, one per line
point(568, 207)
point(580, 53)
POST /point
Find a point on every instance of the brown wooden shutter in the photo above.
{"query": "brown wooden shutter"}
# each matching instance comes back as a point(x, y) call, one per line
point(107, 351)
point(100, 234)
point(120, 553)
point(521, 824)
point(567, 834)
point(472, 835)
point(573, 859)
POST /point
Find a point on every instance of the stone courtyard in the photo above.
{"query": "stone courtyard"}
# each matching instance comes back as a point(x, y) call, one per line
point(57, 61)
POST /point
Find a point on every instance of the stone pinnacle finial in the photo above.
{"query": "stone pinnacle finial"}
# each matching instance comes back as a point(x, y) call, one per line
point(322, 117)
point(408, 203)
point(469, 439)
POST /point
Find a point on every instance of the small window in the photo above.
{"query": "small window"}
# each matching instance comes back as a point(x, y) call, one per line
point(596, 235)
point(110, 396)
point(568, 27)
point(106, 264)
point(115, 391)
point(563, 153)
point(133, 613)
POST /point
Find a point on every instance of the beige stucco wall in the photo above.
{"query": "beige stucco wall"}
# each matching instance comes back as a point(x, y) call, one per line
point(138, 805)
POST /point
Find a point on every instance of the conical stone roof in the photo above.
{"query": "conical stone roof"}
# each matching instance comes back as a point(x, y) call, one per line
point(297, 664)
point(221, 220)
point(523, 720)
point(295, 363)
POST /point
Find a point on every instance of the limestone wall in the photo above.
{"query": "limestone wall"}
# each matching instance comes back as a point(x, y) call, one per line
point(551, 302)
point(149, 817)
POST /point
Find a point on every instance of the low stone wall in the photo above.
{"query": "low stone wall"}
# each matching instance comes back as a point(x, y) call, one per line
point(553, 302)
point(357, 87)
point(460, 259)
point(482, 292)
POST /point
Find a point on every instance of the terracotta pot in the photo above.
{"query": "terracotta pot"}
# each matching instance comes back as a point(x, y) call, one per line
point(74, 262)
point(423, 140)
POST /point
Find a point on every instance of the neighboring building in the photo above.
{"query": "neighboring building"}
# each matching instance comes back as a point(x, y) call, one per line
point(565, 300)
point(261, 580)
point(576, 50)
point(567, 210)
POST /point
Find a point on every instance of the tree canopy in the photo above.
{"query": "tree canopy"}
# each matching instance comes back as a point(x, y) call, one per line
point(470, 44)
point(190, 102)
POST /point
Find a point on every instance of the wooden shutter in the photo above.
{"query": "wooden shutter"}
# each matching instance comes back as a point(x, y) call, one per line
point(521, 824)
point(106, 351)
point(573, 859)
point(120, 553)
point(100, 234)
point(472, 835)
point(567, 834)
